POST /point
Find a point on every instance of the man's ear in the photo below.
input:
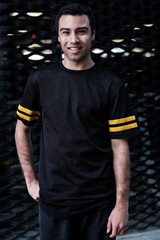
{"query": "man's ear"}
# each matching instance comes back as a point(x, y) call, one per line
point(58, 39)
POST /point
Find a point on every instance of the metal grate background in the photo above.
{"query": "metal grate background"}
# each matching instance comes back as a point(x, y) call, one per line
point(127, 38)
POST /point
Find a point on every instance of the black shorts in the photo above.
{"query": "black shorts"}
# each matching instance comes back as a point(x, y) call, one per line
point(89, 226)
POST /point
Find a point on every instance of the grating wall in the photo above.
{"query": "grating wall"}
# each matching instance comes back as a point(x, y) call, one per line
point(127, 41)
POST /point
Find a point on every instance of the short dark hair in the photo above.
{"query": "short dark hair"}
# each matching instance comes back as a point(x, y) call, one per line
point(76, 9)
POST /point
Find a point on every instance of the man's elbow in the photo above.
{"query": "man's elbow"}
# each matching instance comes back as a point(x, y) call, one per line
point(21, 129)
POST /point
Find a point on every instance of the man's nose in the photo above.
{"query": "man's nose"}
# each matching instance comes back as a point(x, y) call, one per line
point(74, 38)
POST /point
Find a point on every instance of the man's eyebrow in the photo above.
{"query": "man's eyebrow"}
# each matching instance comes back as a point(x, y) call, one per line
point(64, 29)
point(80, 28)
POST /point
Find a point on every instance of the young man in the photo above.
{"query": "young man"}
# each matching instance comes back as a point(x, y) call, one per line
point(84, 169)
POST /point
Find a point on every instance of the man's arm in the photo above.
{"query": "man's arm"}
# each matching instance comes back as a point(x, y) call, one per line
point(25, 155)
point(118, 218)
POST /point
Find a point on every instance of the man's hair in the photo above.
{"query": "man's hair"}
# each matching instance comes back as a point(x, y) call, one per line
point(76, 9)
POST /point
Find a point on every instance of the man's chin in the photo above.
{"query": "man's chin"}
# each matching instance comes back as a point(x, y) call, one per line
point(75, 59)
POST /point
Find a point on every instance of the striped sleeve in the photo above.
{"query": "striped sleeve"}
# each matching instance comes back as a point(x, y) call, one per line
point(27, 114)
point(28, 110)
point(121, 120)
point(122, 124)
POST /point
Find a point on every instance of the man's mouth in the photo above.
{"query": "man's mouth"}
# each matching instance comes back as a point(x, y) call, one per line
point(74, 48)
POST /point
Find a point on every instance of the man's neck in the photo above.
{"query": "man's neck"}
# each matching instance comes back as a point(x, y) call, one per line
point(78, 65)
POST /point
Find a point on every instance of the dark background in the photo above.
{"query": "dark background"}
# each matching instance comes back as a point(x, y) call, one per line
point(128, 33)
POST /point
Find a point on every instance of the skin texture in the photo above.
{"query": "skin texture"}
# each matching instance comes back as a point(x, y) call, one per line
point(75, 39)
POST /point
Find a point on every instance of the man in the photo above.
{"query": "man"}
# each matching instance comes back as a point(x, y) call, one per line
point(84, 164)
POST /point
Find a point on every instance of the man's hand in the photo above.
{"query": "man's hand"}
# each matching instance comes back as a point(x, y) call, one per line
point(117, 221)
point(33, 189)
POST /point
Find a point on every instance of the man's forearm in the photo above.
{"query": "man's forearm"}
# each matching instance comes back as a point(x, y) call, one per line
point(25, 152)
point(118, 218)
point(121, 165)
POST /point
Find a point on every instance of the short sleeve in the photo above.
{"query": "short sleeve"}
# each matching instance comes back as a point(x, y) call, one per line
point(28, 110)
point(121, 119)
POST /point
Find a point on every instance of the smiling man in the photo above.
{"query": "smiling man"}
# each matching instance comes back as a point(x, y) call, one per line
point(84, 168)
point(75, 37)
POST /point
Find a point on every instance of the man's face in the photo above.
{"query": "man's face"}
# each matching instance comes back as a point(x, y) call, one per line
point(74, 35)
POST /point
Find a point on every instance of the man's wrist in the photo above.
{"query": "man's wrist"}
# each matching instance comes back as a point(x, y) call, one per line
point(31, 181)
point(122, 204)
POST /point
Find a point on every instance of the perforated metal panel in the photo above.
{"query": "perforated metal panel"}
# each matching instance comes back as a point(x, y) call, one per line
point(127, 41)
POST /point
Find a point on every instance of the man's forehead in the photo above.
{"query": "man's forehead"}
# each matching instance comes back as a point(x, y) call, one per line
point(73, 21)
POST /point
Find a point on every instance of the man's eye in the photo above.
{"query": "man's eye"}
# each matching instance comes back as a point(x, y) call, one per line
point(65, 32)
point(82, 31)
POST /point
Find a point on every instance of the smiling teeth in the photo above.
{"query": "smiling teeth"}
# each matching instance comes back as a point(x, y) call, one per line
point(74, 48)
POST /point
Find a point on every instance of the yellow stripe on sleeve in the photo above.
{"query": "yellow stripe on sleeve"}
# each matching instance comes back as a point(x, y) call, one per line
point(122, 128)
point(30, 112)
point(121, 120)
point(27, 117)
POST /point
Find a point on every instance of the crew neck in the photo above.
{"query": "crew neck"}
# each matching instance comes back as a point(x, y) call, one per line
point(75, 71)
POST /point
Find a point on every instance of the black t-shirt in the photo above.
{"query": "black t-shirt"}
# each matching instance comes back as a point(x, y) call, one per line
point(81, 111)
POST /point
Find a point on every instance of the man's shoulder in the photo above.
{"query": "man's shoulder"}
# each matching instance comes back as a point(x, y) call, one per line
point(47, 69)
point(105, 74)
point(44, 72)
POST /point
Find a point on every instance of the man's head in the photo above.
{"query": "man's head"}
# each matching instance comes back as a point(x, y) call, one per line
point(76, 31)
point(76, 9)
